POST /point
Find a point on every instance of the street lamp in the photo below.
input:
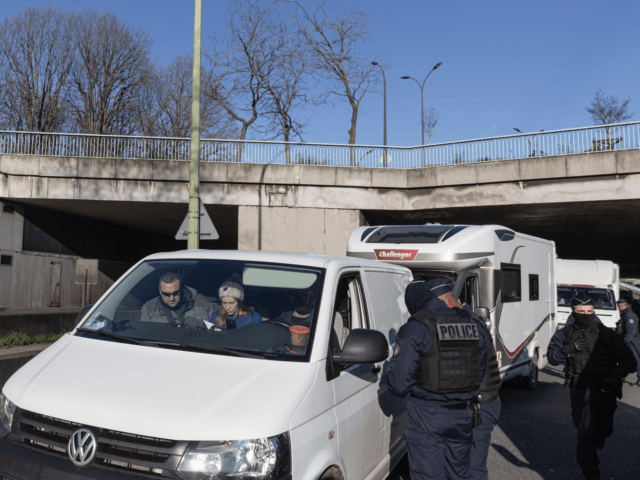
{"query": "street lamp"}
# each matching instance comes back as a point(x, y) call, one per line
point(384, 82)
point(422, 93)
point(531, 152)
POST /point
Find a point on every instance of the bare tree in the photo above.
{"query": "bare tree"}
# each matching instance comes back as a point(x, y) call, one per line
point(239, 62)
point(430, 121)
point(605, 110)
point(164, 107)
point(113, 64)
point(37, 56)
point(335, 43)
point(286, 85)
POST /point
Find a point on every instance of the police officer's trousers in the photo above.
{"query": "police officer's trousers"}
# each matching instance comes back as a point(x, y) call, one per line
point(592, 412)
point(634, 346)
point(482, 439)
point(439, 442)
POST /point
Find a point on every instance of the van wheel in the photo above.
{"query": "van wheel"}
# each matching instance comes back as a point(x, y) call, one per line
point(530, 382)
point(332, 473)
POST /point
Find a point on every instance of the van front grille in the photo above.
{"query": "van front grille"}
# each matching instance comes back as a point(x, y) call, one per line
point(154, 456)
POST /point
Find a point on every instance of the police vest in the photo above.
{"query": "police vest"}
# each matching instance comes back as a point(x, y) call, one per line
point(453, 364)
point(589, 366)
point(491, 382)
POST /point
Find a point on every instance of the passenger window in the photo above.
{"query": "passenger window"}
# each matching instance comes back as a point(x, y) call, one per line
point(511, 285)
point(349, 311)
point(534, 289)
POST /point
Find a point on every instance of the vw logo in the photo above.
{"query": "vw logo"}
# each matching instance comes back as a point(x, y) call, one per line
point(82, 447)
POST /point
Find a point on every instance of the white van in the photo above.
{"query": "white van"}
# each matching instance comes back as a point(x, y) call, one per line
point(129, 399)
point(598, 279)
point(510, 274)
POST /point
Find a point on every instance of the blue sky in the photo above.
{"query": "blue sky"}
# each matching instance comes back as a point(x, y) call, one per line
point(530, 65)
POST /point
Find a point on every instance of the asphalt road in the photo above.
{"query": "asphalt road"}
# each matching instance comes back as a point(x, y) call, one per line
point(535, 437)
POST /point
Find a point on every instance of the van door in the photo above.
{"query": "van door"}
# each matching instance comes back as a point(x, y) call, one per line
point(358, 413)
point(385, 295)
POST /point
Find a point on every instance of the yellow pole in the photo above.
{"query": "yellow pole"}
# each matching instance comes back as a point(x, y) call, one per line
point(193, 241)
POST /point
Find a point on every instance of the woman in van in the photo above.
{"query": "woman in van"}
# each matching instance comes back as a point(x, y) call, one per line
point(233, 313)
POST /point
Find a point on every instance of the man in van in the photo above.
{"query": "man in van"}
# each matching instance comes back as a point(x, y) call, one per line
point(177, 304)
point(596, 361)
point(630, 332)
point(439, 410)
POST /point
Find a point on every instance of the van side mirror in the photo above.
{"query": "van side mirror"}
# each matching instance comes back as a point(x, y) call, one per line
point(362, 346)
point(483, 313)
point(83, 313)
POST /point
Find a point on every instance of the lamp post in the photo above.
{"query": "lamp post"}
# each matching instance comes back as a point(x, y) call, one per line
point(193, 236)
point(531, 151)
point(384, 82)
point(421, 85)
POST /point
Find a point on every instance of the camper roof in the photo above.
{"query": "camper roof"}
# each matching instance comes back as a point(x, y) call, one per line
point(596, 273)
point(443, 247)
point(446, 247)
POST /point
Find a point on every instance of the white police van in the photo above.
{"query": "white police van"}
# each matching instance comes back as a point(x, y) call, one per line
point(129, 399)
point(509, 273)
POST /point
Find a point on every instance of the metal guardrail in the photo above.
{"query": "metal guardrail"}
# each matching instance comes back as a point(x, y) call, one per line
point(602, 138)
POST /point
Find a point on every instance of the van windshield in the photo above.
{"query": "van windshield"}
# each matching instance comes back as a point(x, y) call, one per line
point(602, 298)
point(222, 307)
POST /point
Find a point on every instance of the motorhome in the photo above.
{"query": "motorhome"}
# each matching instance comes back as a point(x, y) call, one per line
point(598, 279)
point(510, 274)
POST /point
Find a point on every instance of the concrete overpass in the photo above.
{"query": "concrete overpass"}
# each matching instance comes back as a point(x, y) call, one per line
point(587, 203)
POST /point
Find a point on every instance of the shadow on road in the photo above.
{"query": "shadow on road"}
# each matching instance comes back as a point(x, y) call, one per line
point(539, 436)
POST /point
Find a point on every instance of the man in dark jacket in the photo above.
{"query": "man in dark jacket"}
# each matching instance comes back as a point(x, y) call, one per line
point(630, 331)
point(596, 361)
point(177, 304)
point(439, 412)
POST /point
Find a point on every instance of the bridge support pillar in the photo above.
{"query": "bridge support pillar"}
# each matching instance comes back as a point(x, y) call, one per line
point(315, 230)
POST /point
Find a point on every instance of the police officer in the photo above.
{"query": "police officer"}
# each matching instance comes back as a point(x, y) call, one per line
point(490, 407)
point(630, 332)
point(440, 409)
point(596, 361)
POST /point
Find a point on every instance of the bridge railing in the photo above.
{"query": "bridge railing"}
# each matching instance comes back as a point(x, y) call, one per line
point(601, 138)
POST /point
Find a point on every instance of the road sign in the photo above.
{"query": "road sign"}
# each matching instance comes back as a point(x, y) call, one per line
point(207, 230)
point(90, 267)
point(382, 162)
point(87, 275)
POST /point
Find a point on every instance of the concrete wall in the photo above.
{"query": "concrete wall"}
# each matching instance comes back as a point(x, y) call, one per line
point(316, 230)
point(28, 281)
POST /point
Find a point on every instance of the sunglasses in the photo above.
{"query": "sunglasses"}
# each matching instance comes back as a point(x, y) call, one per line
point(177, 293)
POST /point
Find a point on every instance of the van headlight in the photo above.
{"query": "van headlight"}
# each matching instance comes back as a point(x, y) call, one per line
point(7, 409)
point(258, 458)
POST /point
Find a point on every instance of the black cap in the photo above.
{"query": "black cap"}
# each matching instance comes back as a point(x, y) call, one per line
point(624, 300)
point(439, 286)
point(581, 299)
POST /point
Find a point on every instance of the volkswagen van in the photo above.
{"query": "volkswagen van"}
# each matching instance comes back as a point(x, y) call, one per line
point(300, 396)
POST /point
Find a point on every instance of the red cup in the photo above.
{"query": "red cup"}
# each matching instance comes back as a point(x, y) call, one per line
point(299, 335)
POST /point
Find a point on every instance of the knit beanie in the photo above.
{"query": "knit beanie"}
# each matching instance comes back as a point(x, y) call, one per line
point(231, 288)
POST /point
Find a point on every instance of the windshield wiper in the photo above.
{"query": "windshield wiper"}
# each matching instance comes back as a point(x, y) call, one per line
point(115, 336)
point(206, 348)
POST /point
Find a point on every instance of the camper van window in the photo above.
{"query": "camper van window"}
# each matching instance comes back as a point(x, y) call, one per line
point(511, 286)
point(469, 293)
point(349, 311)
point(534, 289)
point(409, 234)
